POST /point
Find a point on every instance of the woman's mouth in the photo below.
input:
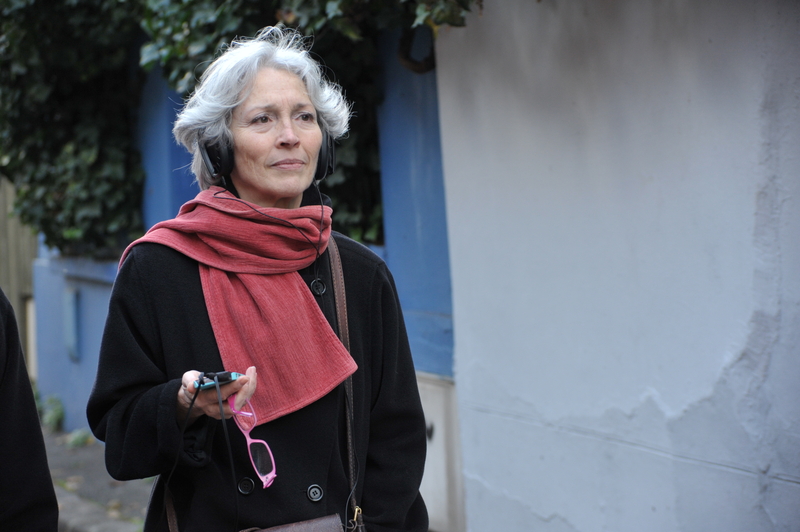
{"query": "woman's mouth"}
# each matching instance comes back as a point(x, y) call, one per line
point(289, 164)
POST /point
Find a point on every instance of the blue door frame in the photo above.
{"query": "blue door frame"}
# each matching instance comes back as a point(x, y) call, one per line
point(415, 226)
point(169, 182)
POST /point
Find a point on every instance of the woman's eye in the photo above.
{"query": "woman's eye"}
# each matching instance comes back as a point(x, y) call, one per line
point(307, 117)
point(261, 119)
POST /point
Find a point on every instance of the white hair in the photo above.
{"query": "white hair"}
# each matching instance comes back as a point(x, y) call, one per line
point(206, 117)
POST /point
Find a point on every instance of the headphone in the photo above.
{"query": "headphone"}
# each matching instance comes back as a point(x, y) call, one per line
point(219, 159)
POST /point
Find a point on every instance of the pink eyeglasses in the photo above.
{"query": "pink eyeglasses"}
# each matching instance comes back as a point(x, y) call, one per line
point(260, 453)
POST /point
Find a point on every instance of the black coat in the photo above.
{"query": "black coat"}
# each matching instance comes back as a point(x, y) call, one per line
point(158, 328)
point(27, 498)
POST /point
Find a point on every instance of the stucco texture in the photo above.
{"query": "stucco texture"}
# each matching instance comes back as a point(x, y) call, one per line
point(622, 184)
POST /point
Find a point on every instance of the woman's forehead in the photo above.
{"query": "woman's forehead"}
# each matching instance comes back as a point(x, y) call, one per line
point(270, 85)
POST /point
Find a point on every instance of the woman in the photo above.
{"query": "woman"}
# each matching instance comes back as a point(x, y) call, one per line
point(241, 280)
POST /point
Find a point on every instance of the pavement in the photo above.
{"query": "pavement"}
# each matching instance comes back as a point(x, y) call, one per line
point(89, 499)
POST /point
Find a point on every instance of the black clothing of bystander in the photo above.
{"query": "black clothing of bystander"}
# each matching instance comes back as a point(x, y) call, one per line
point(27, 498)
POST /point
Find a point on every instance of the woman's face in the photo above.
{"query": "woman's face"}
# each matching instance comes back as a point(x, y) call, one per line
point(276, 141)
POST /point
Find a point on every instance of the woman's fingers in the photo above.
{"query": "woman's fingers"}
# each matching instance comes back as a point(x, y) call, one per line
point(207, 402)
point(188, 379)
point(248, 389)
point(185, 395)
point(210, 403)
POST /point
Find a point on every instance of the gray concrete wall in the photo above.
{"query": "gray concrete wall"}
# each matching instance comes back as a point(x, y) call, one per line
point(622, 185)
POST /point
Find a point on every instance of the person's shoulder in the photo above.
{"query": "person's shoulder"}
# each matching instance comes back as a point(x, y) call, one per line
point(5, 304)
point(150, 258)
point(7, 322)
point(353, 251)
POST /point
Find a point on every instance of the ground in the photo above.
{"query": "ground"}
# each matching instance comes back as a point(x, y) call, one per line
point(80, 468)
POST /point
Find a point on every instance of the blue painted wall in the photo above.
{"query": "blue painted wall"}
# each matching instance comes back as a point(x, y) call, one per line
point(169, 182)
point(71, 304)
point(415, 225)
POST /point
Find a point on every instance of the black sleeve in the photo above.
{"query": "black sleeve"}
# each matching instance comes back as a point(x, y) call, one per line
point(396, 447)
point(132, 407)
point(26, 489)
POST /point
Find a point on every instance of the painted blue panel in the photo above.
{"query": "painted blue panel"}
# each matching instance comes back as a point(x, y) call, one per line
point(431, 338)
point(74, 293)
point(414, 206)
point(168, 183)
point(184, 186)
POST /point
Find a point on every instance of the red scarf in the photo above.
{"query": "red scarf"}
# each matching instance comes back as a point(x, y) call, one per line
point(261, 310)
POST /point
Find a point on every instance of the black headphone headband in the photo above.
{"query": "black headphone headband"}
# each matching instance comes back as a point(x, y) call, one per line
point(326, 162)
point(219, 162)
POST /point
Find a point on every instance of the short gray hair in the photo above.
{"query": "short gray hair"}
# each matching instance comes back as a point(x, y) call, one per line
point(206, 117)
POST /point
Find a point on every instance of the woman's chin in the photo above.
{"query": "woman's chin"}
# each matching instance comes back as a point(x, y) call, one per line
point(286, 194)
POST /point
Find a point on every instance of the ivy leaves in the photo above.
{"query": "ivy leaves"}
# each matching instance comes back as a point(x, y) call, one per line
point(66, 99)
point(349, 17)
point(185, 35)
point(69, 92)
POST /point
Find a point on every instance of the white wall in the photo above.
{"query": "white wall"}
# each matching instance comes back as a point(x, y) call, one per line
point(623, 188)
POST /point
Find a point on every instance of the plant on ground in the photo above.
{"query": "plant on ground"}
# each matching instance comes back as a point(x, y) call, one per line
point(79, 438)
point(51, 413)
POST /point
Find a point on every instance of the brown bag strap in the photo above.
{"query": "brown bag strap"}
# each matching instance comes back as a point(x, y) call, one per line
point(340, 297)
point(172, 519)
point(339, 294)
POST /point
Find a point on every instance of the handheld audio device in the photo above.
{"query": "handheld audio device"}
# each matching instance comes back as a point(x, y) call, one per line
point(207, 381)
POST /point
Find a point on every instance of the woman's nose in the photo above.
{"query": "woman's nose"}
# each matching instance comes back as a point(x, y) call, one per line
point(287, 136)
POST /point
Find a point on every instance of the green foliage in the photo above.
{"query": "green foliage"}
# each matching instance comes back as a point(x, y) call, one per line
point(187, 34)
point(352, 17)
point(355, 186)
point(51, 413)
point(79, 438)
point(69, 93)
point(67, 96)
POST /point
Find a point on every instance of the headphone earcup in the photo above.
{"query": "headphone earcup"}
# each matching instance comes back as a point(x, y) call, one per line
point(226, 161)
point(219, 162)
point(326, 162)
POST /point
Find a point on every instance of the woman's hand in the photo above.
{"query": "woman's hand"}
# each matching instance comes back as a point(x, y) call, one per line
point(207, 403)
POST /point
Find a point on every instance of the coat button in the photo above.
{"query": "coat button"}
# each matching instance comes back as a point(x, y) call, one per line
point(246, 486)
point(318, 287)
point(314, 493)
